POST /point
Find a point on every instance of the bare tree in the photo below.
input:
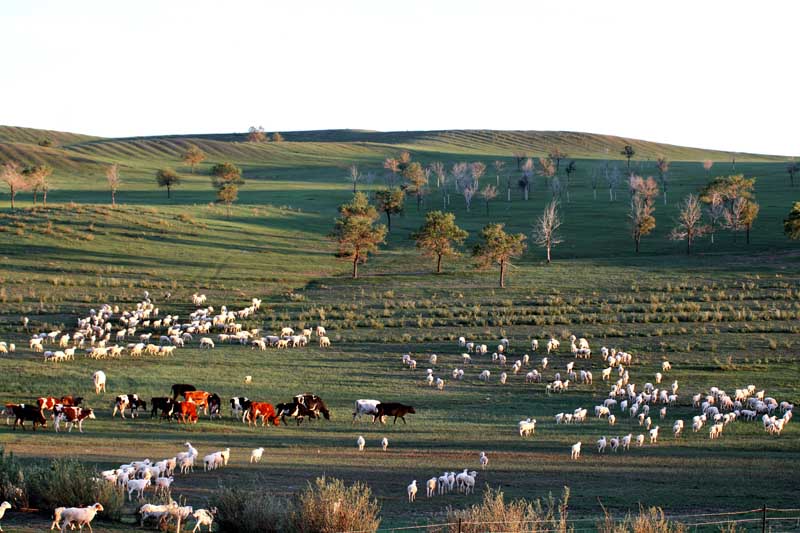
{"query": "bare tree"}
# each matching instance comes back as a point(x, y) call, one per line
point(519, 158)
point(498, 169)
point(690, 222)
point(545, 229)
point(707, 164)
point(488, 193)
point(468, 193)
point(792, 168)
point(557, 155)
point(16, 181)
point(662, 165)
point(353, 175)
point(716, 212)
point(112, 176)
point(613, 177)
point(437, 168)
point(393, 166)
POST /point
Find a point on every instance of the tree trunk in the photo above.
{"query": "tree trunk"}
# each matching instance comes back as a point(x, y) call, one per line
point(419, 202)
point(688, 246)
point(169, 192)
point(35, 194)
point(354, 187)
point(389, 221)
point(637, 239)
point(487, 207)
point(502, 274)
point(712, 237)
point(113, 198)
point(44, 197)
point(508, 195)
point(595, 194)
point(747, 234)
point(439, 264)
point(548, 254)
point(610, 195)
point(526, 193)
point(355, 266)
point(665, 196)
point(13, 195)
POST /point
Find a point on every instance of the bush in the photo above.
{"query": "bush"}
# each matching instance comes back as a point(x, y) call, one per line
point(250, 511)
point(327, 506)
point(649, 520)
point(12, 481)
point(519, 516)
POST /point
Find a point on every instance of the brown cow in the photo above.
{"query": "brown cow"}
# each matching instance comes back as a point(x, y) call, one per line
point(264, 410)
point(46, 403)
point(198, 397)
point(72, 416)
point(184, 411)
point(71, 401)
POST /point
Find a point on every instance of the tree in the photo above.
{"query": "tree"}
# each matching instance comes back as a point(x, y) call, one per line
point(791, 226)
point(662, 165)
point(557, 155)
point(353, 175)
point(526, 180)
point(519, 158)
point(498, 169)
point(38, 176)
point(741, 216)
point(437, 168)
point(393, 166)
point(226, 178)
point(390, 201)
point(477, 170)
point(438, 236)
point(193, 156)
point(707, 164)
point(736, 193)
point(167, 177)
point(15, 180)
point(416, 181)
point(113, 179)
point(256, 135)
point(498, 248)
point(547, 169)
point(641, 216)
point(628, 152)
point(690, 222)
point(277, 137)
point(792, 168)
point(569, 171)
point(545, 229)
point(468, 192)
point(716, 213)
point(613, 177)
point(595, 181)
point(488, 193)
point(355, 232)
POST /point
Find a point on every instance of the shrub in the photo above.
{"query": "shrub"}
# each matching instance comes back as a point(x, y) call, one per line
point(327, 506)
point(649, 520)
point(12, 480)
point(250, 511)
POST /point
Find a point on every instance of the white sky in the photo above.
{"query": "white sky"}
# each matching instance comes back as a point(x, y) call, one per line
point(715, 74)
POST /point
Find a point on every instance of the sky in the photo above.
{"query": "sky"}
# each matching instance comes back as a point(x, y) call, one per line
point(704, 73)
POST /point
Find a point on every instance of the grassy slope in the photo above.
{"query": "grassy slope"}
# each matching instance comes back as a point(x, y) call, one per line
point(696, 311)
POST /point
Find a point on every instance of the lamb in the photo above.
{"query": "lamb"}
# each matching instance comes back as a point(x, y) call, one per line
point(466, 357)
point(576, 451)
point(533, 377)
point(614, 444)
point(163, 484)
point(527, 427)
point(626, 442)
point(431, 487)
point(149, 510)
point(677, 428)
point(601, 444)
point(212, 461)
point(82, 516)
point(203, 518)
point(462, 342)
point(360, 442)
point(654, 435)
point(412, 491)
point(503, 378)
point(666, 366)
point(439, 383)
point(534, 345)
point(99, 380)
point(484, 460)
point(187, 464)
point(137, 485)
point(384, 443)
point(255, 455)
point(612, 420)
point(544, 363)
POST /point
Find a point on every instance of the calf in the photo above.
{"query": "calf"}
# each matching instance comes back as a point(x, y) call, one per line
point(126, 401)
point(24, 412)
point(264, 410)
point(179, 388)
point(161, 404)
point(397, 410)
point(214, 405)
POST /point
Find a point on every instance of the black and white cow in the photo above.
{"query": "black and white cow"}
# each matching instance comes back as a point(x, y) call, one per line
point(313, 403)
point(23, 412)
point(240, 406)
point(128, 401)
point(365, 407)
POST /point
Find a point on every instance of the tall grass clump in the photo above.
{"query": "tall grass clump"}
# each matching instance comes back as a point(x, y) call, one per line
point(649, 520)
point(251, 511)
point(12, 480)
point(494, 514)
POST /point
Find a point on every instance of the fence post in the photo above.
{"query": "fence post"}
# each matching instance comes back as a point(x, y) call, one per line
point(459, 525)
point(764, 519)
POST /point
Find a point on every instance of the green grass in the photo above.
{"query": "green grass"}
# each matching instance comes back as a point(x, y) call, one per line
point(725, 317)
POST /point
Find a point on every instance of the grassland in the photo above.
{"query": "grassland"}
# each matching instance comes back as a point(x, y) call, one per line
point(725, 317)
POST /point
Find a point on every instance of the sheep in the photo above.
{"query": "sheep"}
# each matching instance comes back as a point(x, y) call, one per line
point(484, 460)
point(662, 413)
point(534, 345)
point(466, 357)
point(658, 378)
point(206, 342)
point(485, 375)
point(212, 461)
point(626, 441)
point(360, 442)
point(384, 443)
point(439, 384)
point(324, 342)
point(654, 435)
point(639, 440)
point(612, 420)
point(99, 380)
point(527, 427)
point(503, 378)
point(601, 444)
point(606, 373)
point(187, 464)
point(533, 377)
point(614, 443)
point(203, 518)
point(412, 491)
point(462, 342)
point(576, 451)
point(544, 363)
point(3, 507)
point(552, 345)
point(255, 455)
point(429, 378)
point(57, 513)
point(666, 366)
point(677, 428)
point(82, 516)
point(431, 487)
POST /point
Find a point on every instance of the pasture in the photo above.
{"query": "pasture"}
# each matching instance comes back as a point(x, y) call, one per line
point(726, 317)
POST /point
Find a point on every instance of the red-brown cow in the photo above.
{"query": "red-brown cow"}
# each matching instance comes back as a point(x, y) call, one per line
point(264, 410)
point(73, 416)
point(46, 403)
point(71, 401)
point(198, 397)
point(185, 411)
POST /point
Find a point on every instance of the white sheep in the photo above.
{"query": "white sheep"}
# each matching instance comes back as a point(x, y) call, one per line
point(3, 507)
point(255, 455)
point(206, 342)
point(666, 366)
point(503, 378)
point(527, 427)
point(203, 518)
point(576, 451)
point(484, 460)
point(639, 440)
point(654, 435)
point(99, 380)
point(601, 444)
point(324, 342)
point(82, 516)
point(552, 345)
point(485, 375)
point(360, 442)
point(431, 487)
point(534, 345)
point(612, 420)
point(439, 383)
point(384, 444)
point(433, 359)
point(626, 441)
point(137, 485)
point(412, 491)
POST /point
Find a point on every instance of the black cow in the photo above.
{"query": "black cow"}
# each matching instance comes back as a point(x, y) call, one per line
point(313, 403)
point(160, 404)
point(397, 410)
point(179, 388)
point(296, 410)
point(24, 412)
point(214, 405)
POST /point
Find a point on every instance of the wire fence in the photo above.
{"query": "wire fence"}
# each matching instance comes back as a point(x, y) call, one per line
point(752, 520)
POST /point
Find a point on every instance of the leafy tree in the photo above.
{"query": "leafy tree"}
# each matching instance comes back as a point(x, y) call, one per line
point(498, 248)
point(628, 152)
point(690, 222)
point(792, 168)
point(545, 229)
point(256, 135)
point(277, 137)
point(390, 201)
point(38, 180)
point(791, 226)
point(488, 193)
point(416, 181)
point(193, 156)
point(226, 178)
point(167, 177)
point(547, 169)
point(741, 216)
point(355, 232)
point(641, 216)
point(439, 236)
point(736, 194)
point(114, 180)
point(15, 180)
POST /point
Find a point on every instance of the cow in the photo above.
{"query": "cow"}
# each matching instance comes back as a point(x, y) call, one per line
point(198, 397)
point(296, 410)
point(264, 410)
point(24, 412)
point(185, 411)
point(314, 403)
point(161, 404)
point(71, 401)
point(47, 403)
point(126, 401)
point(179, 388)
point(240, 406)
point(365, 407)
point(214, 405)
point(397, 410)
point(72, 416)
